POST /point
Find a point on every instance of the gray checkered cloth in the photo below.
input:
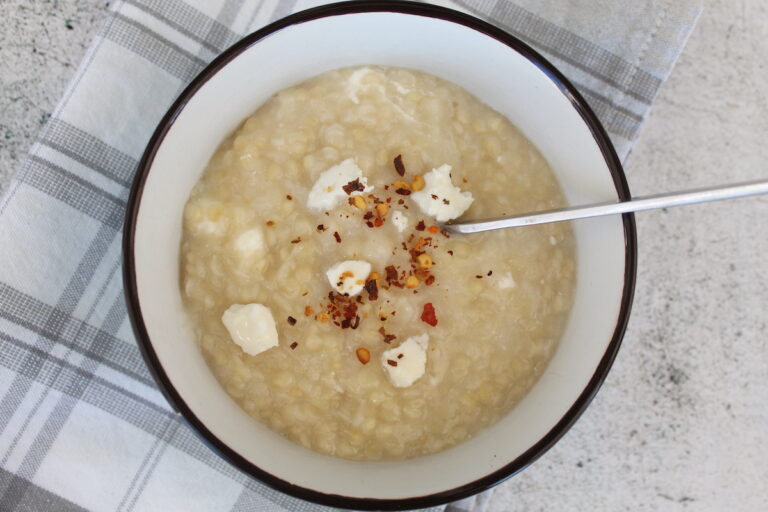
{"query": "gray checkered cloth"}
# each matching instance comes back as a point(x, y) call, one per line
point(82, 424)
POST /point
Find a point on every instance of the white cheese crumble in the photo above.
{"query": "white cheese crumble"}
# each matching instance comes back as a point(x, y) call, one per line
point(408, 362)
point(506, 281)
point(355, 83)
point(348, 277)
point(251, 326)
point(208, 218)
point(250, 243)
point(440, 198)
point(327, 190)
point(399, 220)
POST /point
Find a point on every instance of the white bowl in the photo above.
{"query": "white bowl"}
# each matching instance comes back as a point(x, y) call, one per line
point(495, 67)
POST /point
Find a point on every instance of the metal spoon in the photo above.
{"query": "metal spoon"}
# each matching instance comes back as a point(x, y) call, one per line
point(701, 195)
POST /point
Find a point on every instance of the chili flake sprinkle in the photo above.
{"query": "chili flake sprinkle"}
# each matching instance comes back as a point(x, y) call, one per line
point(291, 320)
point(421, 226)
point(387, 337)
point(391, 362)
point(391, 274)
point(353, 186)
point(399, 167)
point(294, 345)
point(270, 223)
point(372, 288)
point(336, 236)
point(428, 314)
point(320, 228)
point(296, 240)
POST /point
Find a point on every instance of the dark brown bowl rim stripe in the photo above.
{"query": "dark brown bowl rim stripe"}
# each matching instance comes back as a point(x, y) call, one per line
point(470, 488)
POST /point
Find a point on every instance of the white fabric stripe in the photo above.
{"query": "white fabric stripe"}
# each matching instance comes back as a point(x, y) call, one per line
point(156, 25)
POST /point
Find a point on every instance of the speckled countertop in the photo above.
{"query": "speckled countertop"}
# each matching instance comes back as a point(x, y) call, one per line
point(682, 420)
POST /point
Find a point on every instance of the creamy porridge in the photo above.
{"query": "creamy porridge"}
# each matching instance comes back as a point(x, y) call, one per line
point(326, 298)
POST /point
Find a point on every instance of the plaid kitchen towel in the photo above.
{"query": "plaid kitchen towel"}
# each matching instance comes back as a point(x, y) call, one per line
point(82, 425)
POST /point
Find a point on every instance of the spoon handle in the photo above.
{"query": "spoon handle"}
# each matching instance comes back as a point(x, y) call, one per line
point(702, 195)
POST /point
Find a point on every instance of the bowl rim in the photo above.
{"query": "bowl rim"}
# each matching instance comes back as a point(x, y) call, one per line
point(219, 447)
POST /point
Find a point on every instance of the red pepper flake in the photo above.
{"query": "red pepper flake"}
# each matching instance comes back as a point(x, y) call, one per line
point(296, 240)
point(336, 236)
point(378, 222)
point(288, 197)
point(428, 314)
point(434, 229)
point(320, 228)
point(430, 280)
point(400, 356)
point(490, 272)
point(400, 201)
point(391, 273)
point(421, 226)
point(270, 223)
point(373, 289)
point(291, 320)
point(294, 345)
point(479, 276)
point(369, 224)
point(445, 201)
point(433, 196)
point(368, 215)
point(391, 362)
point(403, 191)
point(421, 243)
point(464, 180)
point(353, 186)
point(399, 167)
point(387, 337)
point(450, 252)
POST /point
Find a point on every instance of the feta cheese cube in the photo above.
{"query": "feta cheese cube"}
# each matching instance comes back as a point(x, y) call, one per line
point(406, 364)
point(440, 198)
point(250, 243)
point(348, 277)
point(506, 281)
point(251, 326)
point(327, 191)
point(207, 218)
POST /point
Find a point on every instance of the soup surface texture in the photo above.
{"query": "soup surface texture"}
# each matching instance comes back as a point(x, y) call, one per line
point(325, 297)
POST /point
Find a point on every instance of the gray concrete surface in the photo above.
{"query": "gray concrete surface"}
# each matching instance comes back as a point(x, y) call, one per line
point(41, 45)
point(682, 421)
